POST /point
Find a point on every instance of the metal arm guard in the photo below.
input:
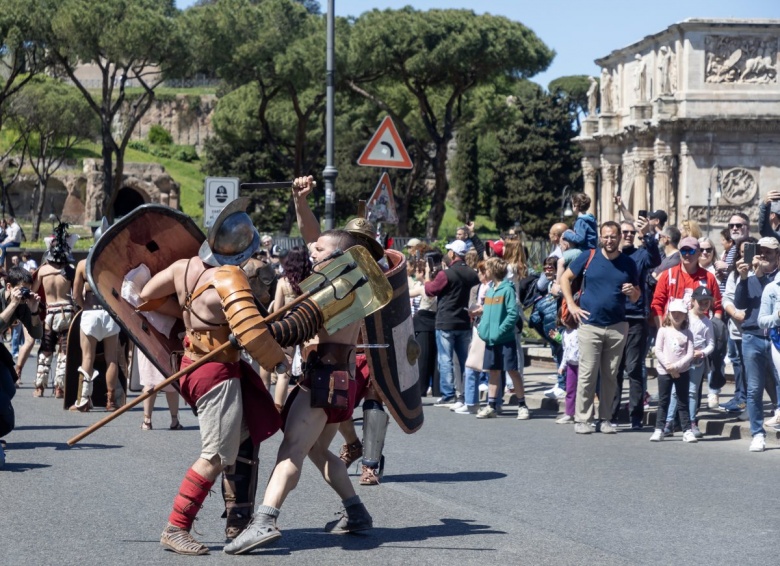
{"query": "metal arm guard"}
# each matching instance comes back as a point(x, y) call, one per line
point(299, 325)
point(245, 321)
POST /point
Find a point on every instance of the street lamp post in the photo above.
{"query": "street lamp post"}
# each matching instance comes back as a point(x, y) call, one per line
point(718, 176)
point(330, 172)
point(566, 202)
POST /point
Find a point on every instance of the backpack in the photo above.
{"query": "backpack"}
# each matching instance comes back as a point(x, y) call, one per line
point(577, 290)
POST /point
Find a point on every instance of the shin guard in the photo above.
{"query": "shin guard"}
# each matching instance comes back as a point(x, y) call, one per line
point(44, 368)
point(374, 432)
point(192, 492)
point(239, 487)
point(85, 388)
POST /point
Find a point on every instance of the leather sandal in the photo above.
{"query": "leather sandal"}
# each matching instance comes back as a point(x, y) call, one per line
point(175, 424)
point(147, 424)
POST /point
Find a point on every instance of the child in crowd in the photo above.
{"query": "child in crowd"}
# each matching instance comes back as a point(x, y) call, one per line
point(585, 235)
point(497, 329)
point(703, 345)
point(570, 365)
point(674, 353)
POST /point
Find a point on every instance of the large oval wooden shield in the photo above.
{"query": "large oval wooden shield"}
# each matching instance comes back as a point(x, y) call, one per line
point(73, 361)
point(154, 235)
point(394, 368)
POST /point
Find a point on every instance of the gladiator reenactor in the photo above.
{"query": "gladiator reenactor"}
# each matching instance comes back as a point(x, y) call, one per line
point(234, 408)
point(56, 277)
point(309, 424)
point(96, 325)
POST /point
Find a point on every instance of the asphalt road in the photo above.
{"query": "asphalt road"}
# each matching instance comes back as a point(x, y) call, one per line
point(460, 491)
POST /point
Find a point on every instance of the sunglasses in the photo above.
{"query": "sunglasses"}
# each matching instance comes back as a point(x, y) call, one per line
point(705, 250)
point(629, 232)
point(688, 251)
point(736, 226)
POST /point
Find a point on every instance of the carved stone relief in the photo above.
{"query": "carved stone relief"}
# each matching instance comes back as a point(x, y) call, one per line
point(739, 186)
point(606, 91)
point(721, 215)
point(745, 59)
point(666, 67)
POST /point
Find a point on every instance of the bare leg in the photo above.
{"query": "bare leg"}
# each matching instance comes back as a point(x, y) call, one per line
point(517, 379)
point(111, 353)
point(88, 348)
point(331, 467)
point(265, 375)
point(149, 409)
point(304, 426)
point(494, 381)
point(281, 387)
point(347, 430)
point(173, 406)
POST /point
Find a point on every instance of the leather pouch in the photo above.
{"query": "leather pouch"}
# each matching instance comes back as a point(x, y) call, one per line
point(329, 389)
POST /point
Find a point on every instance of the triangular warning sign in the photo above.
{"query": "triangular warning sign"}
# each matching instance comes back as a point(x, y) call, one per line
point(385, 149)
point(381, 205)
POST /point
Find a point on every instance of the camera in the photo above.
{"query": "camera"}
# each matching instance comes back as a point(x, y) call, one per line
point(25, 293)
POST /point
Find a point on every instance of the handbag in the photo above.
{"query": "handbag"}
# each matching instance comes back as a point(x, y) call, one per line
point(476, 351)
point(329, 388)
point(577, 289)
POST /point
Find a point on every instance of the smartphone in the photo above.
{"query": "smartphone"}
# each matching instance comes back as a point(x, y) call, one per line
point(431, 267)
point(642, 214)
point(750, 249)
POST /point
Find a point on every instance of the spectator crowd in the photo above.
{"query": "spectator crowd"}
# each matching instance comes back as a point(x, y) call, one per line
point(605, 299)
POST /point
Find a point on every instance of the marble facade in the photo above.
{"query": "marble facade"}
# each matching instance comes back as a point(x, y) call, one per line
point(688, 122)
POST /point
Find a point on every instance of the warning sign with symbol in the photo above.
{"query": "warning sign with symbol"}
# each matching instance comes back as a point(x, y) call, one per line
point(381, 205)
point(219, 192)
point(386, 149)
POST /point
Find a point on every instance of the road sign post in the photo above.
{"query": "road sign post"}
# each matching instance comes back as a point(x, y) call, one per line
point(219, 192)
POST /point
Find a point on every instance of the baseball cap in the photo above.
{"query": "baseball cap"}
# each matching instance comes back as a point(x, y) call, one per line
point(689, 242)
point(659, 215)
point(702, 293)
point(775, 207)
point(769, 242)
point(678, 305)
point(497, 246)
point(413, 242)
point(458, 247)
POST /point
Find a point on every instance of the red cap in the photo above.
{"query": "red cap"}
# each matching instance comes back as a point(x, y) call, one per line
point(497, 246)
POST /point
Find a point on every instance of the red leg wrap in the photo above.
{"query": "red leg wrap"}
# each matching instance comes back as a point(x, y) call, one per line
point(192, 492)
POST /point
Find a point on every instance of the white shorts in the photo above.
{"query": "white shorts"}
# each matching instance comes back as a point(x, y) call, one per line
point(98, 324)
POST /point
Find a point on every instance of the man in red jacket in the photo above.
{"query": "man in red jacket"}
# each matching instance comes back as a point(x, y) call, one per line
point(680, 281)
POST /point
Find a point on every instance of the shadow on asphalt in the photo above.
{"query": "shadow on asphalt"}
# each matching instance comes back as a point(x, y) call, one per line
point(60, 446)
point(295, 540)
point(443, 478)
point(22, 467)
point(47, 427)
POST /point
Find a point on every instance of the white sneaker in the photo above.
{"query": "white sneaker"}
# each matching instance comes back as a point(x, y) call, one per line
point(608, 427)
point(523, 414)
point(550, 393)
point(713, 401)
point(658, 435)
point(565, 419)
point(758, 444)
point(487, 413)
point(457, 405)
point(775, 420)
point(560, 393)
point(688, 436)
point(466, 410)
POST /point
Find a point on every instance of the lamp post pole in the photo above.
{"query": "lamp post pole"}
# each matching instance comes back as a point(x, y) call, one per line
point(566, 195)
point(329, 173)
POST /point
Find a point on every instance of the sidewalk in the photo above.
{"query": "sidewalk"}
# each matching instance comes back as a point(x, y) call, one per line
point(713, 423)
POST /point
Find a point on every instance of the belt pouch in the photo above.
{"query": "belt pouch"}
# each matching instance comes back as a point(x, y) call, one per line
point(329, 388)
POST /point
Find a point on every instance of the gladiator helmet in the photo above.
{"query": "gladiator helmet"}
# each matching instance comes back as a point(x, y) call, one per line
point(232, 239)
point(364, 231)
point(60, 244)
point(104, 225)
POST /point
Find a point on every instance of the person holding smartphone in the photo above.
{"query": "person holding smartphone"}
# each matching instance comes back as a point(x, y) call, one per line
point(769, 216)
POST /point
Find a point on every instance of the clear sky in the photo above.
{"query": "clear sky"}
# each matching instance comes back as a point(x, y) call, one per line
point(580, 30)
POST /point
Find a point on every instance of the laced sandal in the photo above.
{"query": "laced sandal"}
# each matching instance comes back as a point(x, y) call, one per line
point(175, 424)
point(181, 542)
point(38, 391)
point(369, 476)
point(147, 425)
point(351, 452)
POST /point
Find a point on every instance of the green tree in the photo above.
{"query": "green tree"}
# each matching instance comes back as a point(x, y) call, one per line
point(536, 160)
point(273, 52)
point(51, 117)
point(437, 56)
point(465, 173)
point(573, 90)
point(130, 42)
point(21, 57)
